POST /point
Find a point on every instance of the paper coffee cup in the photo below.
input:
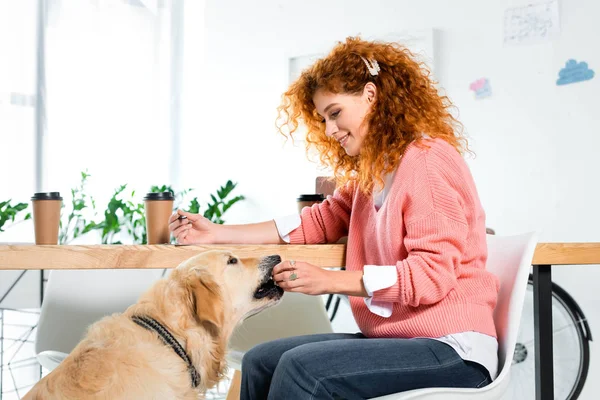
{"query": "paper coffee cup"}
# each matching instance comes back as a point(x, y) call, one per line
point(159, 207)
point(46, 217)
point(307, 200)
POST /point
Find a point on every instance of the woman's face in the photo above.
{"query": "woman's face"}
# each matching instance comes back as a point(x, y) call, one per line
point(344, 114)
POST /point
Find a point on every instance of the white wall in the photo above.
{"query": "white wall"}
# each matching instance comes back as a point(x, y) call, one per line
point(536, 142)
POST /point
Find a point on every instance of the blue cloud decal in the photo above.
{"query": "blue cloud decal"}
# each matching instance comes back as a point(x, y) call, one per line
point(574, 72)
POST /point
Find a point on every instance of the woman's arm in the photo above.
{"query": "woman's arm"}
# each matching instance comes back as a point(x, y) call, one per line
point(328, 221)
point(303, 277)
point(257, 233)
point(190, 228)
point(349, 283)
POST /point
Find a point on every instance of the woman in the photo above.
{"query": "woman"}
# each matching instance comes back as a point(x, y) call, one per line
point(416, 253)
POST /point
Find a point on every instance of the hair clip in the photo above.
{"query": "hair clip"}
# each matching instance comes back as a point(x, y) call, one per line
point(372, 65)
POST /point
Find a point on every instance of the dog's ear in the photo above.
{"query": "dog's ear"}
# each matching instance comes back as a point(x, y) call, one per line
point(206, 300)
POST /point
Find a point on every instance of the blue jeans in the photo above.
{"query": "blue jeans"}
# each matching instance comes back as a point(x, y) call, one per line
point(350, 366)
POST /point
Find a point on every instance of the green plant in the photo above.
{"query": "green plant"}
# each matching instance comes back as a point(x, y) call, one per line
point(9, 212)
point(77, 224)
point(219, 206)
point(124, 214)
point(165, 188)
point(194, 206)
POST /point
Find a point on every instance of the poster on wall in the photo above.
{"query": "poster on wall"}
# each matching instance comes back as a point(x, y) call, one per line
point(533, 23)
point(574, 72)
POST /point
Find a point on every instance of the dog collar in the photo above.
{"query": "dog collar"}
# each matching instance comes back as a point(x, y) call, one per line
point(153, 325)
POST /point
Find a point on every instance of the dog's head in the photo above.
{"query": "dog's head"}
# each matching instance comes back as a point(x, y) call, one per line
point(223, 288)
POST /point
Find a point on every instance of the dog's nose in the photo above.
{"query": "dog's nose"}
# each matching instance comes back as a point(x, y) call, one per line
point(272, 260)
point(269, 262)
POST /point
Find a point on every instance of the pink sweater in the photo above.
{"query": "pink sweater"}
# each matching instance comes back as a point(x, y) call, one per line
point(432, 227)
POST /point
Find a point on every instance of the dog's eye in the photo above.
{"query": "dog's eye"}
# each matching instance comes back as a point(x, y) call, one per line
point(232, 260)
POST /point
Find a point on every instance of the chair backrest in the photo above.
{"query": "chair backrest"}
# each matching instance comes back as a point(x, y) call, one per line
point(297, 314)
point(509, 258)
point(75, 299)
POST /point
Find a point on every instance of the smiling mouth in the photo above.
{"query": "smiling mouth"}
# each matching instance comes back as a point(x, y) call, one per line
point(344, 139)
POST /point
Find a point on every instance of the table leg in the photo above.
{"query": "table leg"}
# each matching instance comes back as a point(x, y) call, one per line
point(542, 319)
point(234, 389)
point(1, 350)
point(41, 287)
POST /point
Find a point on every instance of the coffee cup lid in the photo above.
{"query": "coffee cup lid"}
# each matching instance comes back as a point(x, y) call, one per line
point(47, 196)
point(159, 196)
point(311, 197)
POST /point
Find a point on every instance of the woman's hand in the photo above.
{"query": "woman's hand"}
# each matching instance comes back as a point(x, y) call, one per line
point(194, 228)
point(302, 277)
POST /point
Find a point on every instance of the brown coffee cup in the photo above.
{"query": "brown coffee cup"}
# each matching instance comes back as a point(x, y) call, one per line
point(307, 200)
point(46, 217)
point(158, 206)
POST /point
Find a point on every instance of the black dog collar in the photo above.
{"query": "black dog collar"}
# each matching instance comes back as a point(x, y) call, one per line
point(153, 325)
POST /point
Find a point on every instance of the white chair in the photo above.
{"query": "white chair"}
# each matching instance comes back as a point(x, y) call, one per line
point(509, 258)
point(297, 314)
point(76, 299)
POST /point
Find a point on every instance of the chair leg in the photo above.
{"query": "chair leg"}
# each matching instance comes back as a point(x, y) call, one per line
point(234, 390)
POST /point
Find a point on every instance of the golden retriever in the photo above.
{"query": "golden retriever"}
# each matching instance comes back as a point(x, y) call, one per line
point(200, 303)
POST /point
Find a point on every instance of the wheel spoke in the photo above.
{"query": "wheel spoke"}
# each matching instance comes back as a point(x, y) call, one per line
point(558, 330)
point(571, 351)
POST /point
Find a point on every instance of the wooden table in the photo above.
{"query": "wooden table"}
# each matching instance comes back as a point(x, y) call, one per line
point(28, 257)
point(546, 255)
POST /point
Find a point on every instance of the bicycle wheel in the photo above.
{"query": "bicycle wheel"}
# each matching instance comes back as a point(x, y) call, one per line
point(332, 304)
point(570, 343)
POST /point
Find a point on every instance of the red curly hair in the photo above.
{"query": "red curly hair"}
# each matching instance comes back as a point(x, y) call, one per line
point(407, 106)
